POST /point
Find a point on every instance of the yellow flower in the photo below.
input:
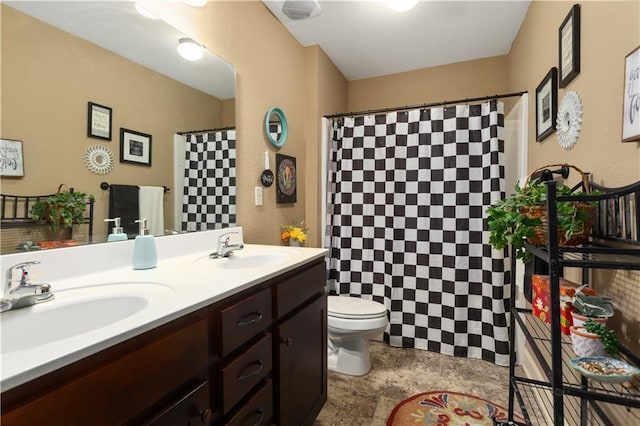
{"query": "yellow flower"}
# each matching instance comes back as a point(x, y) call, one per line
point(296, 231)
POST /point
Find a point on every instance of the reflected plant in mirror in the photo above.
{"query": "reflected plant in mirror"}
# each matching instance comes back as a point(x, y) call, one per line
point(58, 56)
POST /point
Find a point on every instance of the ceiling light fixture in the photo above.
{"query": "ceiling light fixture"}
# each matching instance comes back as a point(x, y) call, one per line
point(402, 5)
point(190, 49)
point(144, 11)
point(301, 9)
point(196, 3)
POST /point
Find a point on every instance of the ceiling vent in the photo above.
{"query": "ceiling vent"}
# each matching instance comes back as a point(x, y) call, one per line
point(301, 9)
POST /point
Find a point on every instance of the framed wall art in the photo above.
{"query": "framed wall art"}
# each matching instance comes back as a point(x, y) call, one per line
point(631, 97)
point(135, 147)
point(11, 161)
point(99, 121)
point(569, 46)
point(547, 105)
point(286, 179)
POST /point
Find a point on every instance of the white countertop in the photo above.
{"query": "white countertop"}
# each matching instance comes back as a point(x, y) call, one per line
point(184, 281)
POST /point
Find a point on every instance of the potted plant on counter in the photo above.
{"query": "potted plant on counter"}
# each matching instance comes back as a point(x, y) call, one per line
point(62, 209)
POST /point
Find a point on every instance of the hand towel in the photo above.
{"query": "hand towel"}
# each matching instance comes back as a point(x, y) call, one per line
point(151, 202)
point(123, 203)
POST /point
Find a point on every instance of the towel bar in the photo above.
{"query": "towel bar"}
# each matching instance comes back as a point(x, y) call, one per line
point(104, 186)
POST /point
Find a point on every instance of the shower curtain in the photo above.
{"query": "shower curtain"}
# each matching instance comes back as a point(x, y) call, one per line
point(209, 194)
point(406, 225)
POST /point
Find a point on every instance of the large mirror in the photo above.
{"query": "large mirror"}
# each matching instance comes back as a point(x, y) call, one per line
point(57, 57)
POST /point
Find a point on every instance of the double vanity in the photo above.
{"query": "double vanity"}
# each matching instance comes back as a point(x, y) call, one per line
point(239, 340)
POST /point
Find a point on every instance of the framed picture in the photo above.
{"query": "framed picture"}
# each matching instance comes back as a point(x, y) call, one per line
point(11, 161)
point(135, 147)
point(631, 97)
point(569, 46)
point(99, 122)
point(547, 105)
point(286, 179)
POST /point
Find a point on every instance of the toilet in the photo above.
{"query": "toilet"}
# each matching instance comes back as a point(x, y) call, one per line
point(351, 322)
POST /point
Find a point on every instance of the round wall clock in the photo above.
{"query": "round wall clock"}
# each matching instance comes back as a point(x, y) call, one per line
point(98, 159)
point(569, 120)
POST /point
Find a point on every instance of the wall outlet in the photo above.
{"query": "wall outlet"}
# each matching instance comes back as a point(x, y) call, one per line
point(258, 196)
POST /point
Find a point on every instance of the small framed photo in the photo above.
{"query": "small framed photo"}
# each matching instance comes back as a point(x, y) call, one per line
point(547, 105)
point(631, 97)
point(135, 147)
point(99, 121)
point(11, 161)
point(569, 46)
point(286, 179)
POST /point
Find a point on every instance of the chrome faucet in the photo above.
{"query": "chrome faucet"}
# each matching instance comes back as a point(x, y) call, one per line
point(19, 291)
point(224, 249)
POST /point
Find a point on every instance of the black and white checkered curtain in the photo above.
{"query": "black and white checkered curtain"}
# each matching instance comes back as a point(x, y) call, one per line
point(406, 225)
point(209, 181)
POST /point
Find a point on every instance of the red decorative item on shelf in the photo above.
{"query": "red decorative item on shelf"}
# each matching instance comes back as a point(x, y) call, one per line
point(541, 300)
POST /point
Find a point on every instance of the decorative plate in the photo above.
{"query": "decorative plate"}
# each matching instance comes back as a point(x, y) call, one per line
point(569, 121)
point(604, 369)
point(98, 159)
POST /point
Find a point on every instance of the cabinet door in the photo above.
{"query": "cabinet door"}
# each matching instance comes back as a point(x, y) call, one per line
point(302, 365)
point(191, 410)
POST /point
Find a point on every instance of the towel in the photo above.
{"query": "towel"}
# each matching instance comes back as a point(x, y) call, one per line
point(151, 205)
point(123, 203)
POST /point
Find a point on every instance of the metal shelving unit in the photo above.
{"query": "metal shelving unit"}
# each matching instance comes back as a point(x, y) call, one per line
point(565, 396)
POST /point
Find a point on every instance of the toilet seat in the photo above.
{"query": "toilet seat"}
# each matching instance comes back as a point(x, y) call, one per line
point(353, 308)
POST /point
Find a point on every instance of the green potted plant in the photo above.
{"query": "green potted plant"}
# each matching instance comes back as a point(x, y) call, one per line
point(521, 217)
point(593, 339)
point(590, 307)
point(61, 209)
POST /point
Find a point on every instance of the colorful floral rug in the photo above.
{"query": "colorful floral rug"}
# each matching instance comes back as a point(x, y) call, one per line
point(446, 408)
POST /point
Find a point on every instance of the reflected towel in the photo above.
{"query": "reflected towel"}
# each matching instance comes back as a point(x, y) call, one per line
point(151, 201)
point(123, 203)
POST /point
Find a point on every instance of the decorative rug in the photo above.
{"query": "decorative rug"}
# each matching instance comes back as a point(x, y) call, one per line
point(446, 408)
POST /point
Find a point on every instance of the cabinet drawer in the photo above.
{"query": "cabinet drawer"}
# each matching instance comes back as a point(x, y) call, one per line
point(257, 411)
point(245, 371)
point(191, 410)
point(242, 321)
point(299, 288)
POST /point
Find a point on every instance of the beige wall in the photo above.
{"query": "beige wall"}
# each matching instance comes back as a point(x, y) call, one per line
point(271, 71)
point(609, 31)
point(447, 82)
point(48, 76)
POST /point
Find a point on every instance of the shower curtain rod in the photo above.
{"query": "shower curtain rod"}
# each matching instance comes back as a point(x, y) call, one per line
point(220, 129)
point(431, 104)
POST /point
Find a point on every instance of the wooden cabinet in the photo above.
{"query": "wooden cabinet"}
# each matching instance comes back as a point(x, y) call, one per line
point(256, 358)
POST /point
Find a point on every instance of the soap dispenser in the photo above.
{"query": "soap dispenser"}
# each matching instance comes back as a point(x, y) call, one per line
point(117, 234)
point(144, 248)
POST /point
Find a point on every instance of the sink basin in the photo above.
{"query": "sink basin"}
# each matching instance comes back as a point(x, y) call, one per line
point(241, 261)
point(77, 311)
point(248, 259)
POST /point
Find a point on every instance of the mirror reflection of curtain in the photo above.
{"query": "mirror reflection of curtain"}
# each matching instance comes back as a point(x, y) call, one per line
point(275, 129)
point(209, 192)
point(407, 196)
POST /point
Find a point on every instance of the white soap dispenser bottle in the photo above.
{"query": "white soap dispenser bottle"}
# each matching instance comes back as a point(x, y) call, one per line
point(144, 248)
point(117, 234)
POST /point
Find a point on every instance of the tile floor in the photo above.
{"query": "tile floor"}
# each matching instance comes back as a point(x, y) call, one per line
point(398, 373)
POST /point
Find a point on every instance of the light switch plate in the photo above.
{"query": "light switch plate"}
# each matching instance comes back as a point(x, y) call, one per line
point(258, 196)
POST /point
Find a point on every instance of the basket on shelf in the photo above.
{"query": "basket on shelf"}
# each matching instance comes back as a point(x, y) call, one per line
point(540, 212)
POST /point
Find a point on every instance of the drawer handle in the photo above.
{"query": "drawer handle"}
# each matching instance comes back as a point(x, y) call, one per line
point(257, 316)
point(288, 341)
point(254, 372)
point(258, 411)
point(205, 415)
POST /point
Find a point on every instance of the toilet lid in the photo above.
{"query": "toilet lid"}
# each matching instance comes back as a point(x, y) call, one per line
point(354, 307)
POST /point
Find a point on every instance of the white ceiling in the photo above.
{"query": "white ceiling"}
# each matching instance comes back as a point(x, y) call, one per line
point(118, 27)
point(367, 39)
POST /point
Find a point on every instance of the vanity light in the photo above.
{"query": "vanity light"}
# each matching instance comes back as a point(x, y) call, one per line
point(189, 49)
point(402, 5)
point(196, 3)
point(144, 11)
